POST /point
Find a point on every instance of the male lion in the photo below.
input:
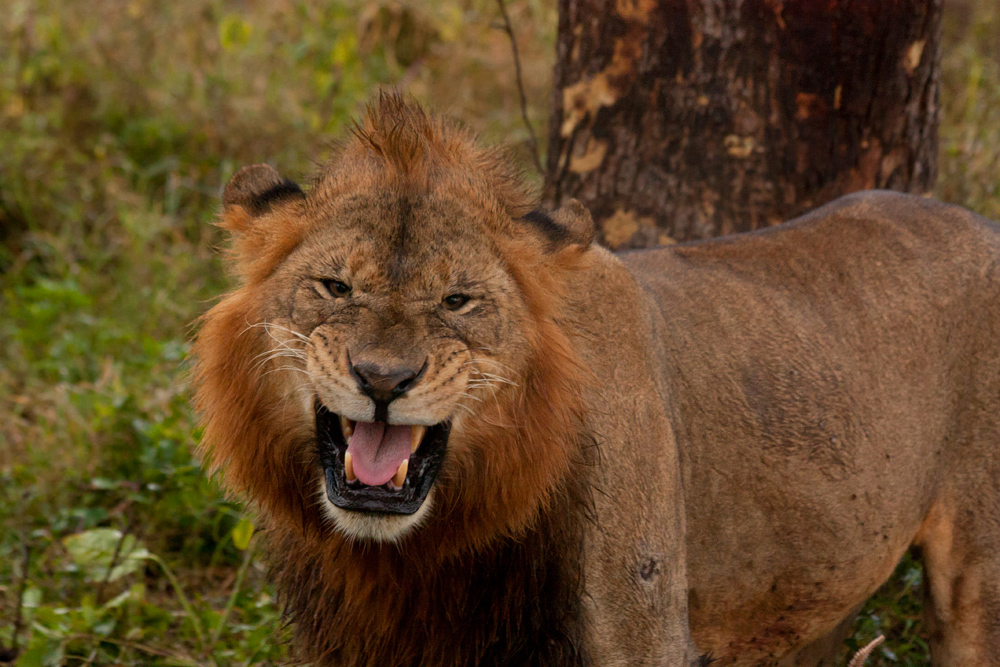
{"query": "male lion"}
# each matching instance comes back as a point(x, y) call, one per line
point(476, 439)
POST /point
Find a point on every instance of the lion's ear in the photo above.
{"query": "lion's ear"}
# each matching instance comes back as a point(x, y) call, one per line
point(252, 192)
point(577, 220)
point(570, 225)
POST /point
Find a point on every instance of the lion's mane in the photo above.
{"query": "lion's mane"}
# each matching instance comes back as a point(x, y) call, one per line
point(500, 553)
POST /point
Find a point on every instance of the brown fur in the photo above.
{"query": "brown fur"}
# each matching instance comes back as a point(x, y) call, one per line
point(835, 388)
point(753, 429)
point(528, 435)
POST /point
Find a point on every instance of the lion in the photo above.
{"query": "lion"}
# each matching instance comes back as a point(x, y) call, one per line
point(475, 437)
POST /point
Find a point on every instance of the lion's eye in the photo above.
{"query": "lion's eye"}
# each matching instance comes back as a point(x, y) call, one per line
point(336, 288)
point(456, 301)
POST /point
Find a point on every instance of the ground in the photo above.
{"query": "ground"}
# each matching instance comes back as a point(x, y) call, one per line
point(119, 122)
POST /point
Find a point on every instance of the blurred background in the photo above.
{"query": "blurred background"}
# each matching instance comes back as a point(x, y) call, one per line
point(120, 120)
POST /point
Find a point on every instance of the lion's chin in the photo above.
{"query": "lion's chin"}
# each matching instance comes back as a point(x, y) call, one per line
point(373, 526)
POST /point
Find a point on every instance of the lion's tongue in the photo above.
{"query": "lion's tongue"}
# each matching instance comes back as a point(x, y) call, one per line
point(377, 449)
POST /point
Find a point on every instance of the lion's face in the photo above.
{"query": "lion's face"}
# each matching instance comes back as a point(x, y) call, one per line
point(405, 322)
point(394, 346)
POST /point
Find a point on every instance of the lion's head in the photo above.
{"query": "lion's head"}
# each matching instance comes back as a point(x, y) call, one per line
point(394, 355)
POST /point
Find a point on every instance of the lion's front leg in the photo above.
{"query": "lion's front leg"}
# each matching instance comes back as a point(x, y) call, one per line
point(637, 607)
point(636, 571)
point(962, 569)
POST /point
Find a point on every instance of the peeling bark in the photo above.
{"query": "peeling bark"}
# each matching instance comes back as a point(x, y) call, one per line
point(683, 119)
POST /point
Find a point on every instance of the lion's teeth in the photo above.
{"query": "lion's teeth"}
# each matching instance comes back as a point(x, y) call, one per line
point(346, 427)
point(417, 433)
point(349, 467)
point(400, 475)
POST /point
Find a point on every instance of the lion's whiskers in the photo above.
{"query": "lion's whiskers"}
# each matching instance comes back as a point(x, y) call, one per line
point(283, 347)
point(287, 368)
point(274, 353)
point(486, 360)
point(268, 326)
point(466, 407)
point(258, 367)
point(481, 380)
point(497, 378)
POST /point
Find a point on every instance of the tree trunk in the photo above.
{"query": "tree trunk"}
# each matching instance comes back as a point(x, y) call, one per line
point(684, 119)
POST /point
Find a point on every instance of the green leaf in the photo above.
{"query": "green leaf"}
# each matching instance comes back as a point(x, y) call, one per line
point(105, 627)
point(242, 534)
point(94, 550)
point(35, 655)
point(344, 49)
point(32, 598)
point(234, 32)
point(118, 600)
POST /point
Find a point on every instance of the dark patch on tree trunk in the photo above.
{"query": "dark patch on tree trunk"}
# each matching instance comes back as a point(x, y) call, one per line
point(677, 120)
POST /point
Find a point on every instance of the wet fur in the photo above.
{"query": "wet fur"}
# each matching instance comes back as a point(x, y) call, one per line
point(516, 603)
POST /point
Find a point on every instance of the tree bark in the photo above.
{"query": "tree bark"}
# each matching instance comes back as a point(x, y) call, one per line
point(684, 119)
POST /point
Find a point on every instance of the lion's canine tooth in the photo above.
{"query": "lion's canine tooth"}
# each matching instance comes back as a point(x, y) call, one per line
point(345, 426)
point(400, 475)
point(417, 435)
point(349, 467)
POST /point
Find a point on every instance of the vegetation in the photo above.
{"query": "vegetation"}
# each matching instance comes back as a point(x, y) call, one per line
point(119, 122)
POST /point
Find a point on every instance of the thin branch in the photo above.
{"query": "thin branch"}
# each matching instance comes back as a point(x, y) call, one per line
point(861, 656)
point(508, 28)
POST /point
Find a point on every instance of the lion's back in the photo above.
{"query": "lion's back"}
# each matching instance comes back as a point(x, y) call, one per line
point(813, 330)
point(865, 236)
point(831, 357)
point(871, 268)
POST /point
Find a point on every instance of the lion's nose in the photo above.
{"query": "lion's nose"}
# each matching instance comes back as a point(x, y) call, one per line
point(384, 384)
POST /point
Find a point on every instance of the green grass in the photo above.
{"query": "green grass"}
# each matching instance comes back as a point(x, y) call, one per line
point(118, 125)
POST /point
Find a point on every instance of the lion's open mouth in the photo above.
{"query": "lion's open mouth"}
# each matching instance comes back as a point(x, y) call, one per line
point(378, 467)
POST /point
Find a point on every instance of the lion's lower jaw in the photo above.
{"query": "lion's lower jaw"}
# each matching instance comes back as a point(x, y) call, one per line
point(364, 527)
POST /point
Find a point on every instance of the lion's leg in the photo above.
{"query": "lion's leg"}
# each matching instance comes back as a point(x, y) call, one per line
point(961, 552)
point(825, 651)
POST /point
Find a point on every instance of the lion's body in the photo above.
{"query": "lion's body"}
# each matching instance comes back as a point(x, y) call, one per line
point(730, 442)
point(834, 390)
